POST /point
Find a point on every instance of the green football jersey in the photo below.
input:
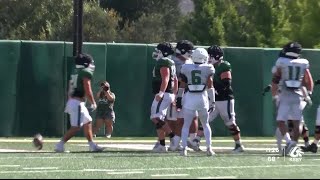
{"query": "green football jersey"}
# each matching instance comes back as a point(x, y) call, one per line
point(156, 78)
point(77, 86)
point(222, 93)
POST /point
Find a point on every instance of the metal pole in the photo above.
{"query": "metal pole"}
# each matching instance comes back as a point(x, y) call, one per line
point(75, 27)
point(80, 26)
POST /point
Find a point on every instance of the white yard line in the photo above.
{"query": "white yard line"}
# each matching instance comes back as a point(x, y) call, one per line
point(98, 170)
point(40, 168)
point(130, 171)
point(8, 165)
point(45, 157)
point(218, 177)
point(150, 146)
point(21, 150)
point(221, 167)
point(168, 175)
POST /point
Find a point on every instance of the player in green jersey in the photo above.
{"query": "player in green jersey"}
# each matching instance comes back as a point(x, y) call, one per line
point(79, 90)
point(165, 87)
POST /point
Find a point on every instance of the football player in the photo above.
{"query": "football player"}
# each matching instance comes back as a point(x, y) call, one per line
point(303, 129)
point(291, 73)
point(199, 99)
point(164, 86)
point(174, 118)
point(79, 90)
point(224, 97)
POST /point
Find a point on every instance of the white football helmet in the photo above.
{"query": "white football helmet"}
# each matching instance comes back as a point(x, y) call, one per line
point(200, 55)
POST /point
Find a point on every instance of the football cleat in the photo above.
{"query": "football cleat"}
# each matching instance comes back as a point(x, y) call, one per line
point(210, 152)
point(238, 148)
point(184, 152)
point(159, 149)
point(311, 148)
point(96, 148)
point(194, 145)
point(59, 148)
point(174, 143)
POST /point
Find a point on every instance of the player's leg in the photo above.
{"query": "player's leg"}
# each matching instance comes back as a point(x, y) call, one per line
point(79, 116)
point(193, 129)
point(174, 123)
point(313, 147)
point(188, 117)
point(203, 116)
point(213, 115)
point(290, 127)
point(294, 111)
point(305, 134)
point(86, 122)
point(304, 131)
point(158, 114)
point(282, 117)
point(228, 115)
point(171, 118)
point(72, 108)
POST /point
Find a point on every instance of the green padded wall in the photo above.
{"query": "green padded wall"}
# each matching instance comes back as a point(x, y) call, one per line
point(41, 88)
point(127, 73)
point(34, 78)
point(10, 56)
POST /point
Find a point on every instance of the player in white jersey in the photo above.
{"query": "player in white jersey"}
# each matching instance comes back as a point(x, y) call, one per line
point(199, 99)
point(290, 75)
point(175, 115)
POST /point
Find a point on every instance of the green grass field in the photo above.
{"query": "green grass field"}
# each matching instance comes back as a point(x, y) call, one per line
point(131, 158)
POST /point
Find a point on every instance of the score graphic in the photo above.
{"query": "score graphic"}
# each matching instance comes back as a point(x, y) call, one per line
point(294, 155)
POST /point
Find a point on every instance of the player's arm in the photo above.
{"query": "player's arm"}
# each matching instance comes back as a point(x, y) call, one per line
point(308, 81)
point(211, 90)
point(70, 90)
point(275, 81)
point(226, 79)
point(183, 84)
point(88, 90)
point(211, 93)
point(165, 76)
point(176, 83)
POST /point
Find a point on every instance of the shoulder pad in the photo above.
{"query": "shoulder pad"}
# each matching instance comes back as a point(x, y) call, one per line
point(225, 66)
point(86, 73)
point(165, 62)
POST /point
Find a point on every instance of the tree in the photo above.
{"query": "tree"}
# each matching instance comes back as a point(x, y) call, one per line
point(53, 20)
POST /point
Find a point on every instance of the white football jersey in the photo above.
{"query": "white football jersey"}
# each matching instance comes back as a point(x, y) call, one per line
point(292, 72)
point(197, 75)
point(178, 63)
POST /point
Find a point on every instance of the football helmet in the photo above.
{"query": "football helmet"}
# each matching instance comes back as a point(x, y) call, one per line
point(184, 48)
point(291, 50)
point(163, 49)
point(215, 53)
point(84, 61)
point(200, 56)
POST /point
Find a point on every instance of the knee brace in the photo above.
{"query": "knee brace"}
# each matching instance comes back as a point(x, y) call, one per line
point(317, 130)
point(234, 129)
point(304, 129)
point(160, 124)
point(290, 126)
